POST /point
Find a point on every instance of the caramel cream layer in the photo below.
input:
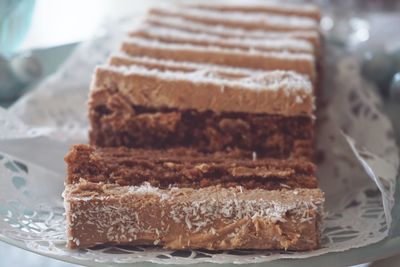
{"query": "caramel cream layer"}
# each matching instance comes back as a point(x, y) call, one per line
point(213, 218)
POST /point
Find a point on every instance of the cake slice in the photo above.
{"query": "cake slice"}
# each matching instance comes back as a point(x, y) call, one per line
point(187, 25)
point(213, 218)
point(274, 7)
point(184, 167)
point(122, 59)
point(303, 63)
point(170, 35)
point(254, 21)
point(270, 113)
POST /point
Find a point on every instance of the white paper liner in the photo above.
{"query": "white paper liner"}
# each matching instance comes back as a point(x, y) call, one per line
point(357, 173)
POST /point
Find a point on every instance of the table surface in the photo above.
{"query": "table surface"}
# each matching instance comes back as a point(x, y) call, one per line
point(56, 28)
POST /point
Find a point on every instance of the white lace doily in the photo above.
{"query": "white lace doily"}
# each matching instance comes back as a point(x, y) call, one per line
point(358, 176)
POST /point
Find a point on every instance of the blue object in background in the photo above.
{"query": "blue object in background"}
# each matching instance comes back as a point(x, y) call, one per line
point(15, 19)
point(16, 70)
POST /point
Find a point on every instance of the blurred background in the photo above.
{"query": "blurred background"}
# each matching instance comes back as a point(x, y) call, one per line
point(37, 36)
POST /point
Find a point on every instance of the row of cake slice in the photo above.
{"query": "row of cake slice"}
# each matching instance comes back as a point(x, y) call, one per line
point(195, 105)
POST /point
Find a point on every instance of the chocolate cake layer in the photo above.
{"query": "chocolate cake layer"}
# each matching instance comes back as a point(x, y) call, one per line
point(211, 218)
point(185, 168)
point(116, 122)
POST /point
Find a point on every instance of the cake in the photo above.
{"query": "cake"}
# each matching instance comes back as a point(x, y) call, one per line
point(201, 133)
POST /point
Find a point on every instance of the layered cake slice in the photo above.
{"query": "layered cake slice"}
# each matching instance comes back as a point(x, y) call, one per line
point(270, 113)
point(201, 134)
point(182, 199)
